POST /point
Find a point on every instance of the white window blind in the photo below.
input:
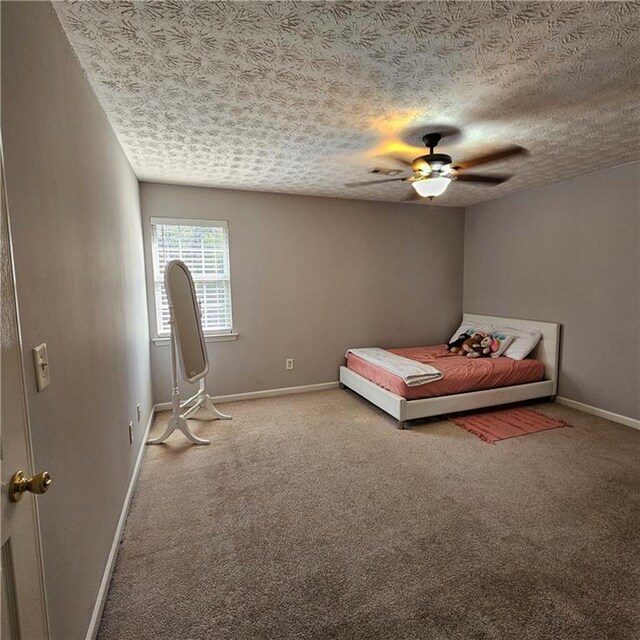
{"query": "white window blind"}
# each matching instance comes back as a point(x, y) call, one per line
point(204, 247)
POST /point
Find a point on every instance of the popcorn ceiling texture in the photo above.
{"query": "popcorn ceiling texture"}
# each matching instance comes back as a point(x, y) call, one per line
point(279, 96)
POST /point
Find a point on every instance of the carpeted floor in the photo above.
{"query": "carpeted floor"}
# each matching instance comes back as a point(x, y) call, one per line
point(312, 517)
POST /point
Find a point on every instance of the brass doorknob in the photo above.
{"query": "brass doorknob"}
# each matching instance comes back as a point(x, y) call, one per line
point(35, 484)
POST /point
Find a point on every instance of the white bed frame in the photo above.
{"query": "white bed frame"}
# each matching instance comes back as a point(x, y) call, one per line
point(402, 409)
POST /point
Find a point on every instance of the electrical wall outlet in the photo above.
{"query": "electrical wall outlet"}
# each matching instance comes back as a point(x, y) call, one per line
point(288, 364)
point(138, 411)
point(130, 431)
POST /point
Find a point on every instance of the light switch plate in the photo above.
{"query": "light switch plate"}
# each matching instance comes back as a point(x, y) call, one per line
point(41, 364)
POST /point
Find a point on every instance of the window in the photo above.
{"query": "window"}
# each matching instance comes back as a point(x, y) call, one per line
point(203, 246)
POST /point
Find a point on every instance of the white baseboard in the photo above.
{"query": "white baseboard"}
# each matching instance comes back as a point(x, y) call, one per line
point(101, 599)
point(268, 393)
point(601, 413)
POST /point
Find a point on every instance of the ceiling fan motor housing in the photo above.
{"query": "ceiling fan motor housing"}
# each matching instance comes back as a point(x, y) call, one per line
point(431, 163)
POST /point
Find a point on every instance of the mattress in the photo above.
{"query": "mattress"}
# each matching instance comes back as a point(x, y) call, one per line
point(461, 374)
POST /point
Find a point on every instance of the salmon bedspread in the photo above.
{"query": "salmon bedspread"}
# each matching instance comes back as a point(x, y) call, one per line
point(461, 374)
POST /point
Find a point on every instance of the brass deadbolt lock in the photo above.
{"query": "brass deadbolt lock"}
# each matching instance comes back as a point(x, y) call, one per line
point(35, 484)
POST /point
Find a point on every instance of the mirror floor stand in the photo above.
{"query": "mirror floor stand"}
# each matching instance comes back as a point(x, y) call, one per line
point(178, 422)
point(201, 400)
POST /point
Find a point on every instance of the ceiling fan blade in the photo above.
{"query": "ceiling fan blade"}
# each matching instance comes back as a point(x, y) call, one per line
point(507, 152)
point(469, 177)
point(396, 150)
point(395, 157)
point(368, 182)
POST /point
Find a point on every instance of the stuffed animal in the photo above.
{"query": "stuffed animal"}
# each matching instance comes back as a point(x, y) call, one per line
point(455, 346)
point(471, 347)
point(477, 346)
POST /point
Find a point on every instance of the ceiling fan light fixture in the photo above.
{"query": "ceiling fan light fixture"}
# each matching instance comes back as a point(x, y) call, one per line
point(431, 187)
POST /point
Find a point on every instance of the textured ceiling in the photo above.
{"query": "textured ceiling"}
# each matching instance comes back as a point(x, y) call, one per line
point(286, 96)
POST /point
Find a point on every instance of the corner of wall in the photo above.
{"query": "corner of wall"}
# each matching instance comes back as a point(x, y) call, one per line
point(465, 213)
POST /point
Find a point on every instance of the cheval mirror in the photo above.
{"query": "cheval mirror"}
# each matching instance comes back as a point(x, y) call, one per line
point(189, 347)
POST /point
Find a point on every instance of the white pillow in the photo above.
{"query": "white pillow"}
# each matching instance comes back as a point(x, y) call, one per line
point(468, 326)
point(501, 341)
point(523, 343)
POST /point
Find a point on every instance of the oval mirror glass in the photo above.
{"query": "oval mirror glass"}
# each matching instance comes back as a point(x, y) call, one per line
point(183, 304)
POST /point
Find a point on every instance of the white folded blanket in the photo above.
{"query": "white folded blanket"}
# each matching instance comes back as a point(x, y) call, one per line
point(413, 373)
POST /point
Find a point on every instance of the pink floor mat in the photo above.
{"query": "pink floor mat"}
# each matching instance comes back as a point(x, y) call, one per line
point(493, 426)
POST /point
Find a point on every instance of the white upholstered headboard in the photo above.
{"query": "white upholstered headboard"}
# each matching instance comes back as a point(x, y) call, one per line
point(548, 348)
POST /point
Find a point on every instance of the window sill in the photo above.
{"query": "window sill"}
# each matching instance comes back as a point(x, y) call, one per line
point(219, 337)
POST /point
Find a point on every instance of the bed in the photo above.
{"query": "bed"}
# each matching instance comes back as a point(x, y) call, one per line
point(461, 392)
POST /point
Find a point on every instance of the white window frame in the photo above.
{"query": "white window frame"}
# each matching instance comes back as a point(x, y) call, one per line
point(210, 336)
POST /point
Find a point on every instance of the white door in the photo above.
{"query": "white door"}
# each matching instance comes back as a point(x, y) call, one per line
point(24, 612)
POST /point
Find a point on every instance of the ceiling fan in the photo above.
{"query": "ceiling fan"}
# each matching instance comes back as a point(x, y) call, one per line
point(433, 172)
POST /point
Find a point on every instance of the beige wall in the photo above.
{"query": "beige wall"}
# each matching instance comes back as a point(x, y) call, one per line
point(313, 276)
point(74, 208)
point(568, 252)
